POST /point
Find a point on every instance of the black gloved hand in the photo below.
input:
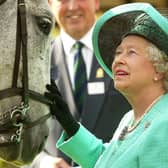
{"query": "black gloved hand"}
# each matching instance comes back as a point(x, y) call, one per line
point(60, 110)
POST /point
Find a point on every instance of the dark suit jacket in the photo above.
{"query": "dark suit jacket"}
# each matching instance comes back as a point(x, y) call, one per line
point(101, 113)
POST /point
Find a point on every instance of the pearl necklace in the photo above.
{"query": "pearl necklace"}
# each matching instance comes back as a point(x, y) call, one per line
point(128, 129)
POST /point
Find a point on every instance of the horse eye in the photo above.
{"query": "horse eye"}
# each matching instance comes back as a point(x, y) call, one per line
point(44, 24)
point(2, 1)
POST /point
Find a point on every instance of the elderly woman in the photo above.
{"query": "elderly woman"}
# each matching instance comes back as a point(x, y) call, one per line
point(131, 40)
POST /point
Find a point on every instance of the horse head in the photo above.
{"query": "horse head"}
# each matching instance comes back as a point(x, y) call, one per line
point(25, 28)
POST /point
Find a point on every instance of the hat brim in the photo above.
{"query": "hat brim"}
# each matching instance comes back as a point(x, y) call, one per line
point(114, 24)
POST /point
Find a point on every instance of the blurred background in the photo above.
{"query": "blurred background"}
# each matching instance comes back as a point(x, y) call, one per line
point(161, 5)
point(106, 4)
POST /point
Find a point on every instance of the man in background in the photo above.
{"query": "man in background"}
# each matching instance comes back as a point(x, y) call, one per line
point(102, 106)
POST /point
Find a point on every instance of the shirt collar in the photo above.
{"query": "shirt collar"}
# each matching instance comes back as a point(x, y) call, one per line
point(66, 39)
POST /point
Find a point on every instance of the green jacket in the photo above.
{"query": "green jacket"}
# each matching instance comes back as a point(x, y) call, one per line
point(145, 147)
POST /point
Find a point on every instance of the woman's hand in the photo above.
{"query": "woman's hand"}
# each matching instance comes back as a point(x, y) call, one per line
point(53, 162)
point(60, 110)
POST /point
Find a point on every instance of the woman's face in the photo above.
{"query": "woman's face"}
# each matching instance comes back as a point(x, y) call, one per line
point(131, 67)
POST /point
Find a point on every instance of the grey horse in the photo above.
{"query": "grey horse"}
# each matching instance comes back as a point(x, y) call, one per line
point(25, 38)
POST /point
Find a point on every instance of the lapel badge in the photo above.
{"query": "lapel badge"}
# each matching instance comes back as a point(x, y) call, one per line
point(99, 73)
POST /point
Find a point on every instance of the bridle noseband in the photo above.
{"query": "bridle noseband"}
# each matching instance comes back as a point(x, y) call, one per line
point(13, 121)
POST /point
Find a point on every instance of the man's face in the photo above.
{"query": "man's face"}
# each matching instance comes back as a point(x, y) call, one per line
point(76, 17)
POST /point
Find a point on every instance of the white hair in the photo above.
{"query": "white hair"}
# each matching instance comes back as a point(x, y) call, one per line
point(160, 61)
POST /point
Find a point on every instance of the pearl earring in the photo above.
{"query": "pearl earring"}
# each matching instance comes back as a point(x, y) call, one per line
point(155, 79)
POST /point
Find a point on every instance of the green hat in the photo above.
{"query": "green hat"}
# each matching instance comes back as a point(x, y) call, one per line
point(134, 18)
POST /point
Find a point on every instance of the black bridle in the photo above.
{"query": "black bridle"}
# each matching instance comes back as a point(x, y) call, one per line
point(13, 121)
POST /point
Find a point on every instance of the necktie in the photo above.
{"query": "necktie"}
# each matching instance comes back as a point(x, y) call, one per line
point(80, 78)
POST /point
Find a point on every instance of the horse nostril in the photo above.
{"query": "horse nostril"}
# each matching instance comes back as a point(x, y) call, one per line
point(44, 24)
point(42, 144)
